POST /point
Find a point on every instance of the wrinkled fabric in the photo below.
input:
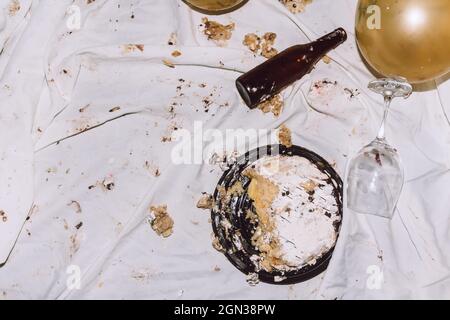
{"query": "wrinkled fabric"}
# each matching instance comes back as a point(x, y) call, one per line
point(83, 116)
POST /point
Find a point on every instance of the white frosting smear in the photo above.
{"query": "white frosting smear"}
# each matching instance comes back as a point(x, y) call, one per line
point(304, 210)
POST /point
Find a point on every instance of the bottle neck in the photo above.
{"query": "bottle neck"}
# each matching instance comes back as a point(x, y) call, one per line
point(329, 41)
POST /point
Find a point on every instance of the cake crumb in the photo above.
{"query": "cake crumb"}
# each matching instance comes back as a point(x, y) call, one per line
point(279, 279)
point(326, 59)
point(176, 54)
point(140, 47)
point(267, 50)
point(14, 7)
point(274, 104)
point(152, 168)
point(216, 244)
point(309, 186)
point(76, 205)
point(205, 202)
point(107, 184)
point(114, 109)
point(262, 46)
point(3, 216)
point(172, 39)
point(216, 31)
point(252, 279)
point(252, 41)
point(285, 136)
point(170, 132)
point(162, 223)
point(128, 48)
point(295, 6)
point(236, 190)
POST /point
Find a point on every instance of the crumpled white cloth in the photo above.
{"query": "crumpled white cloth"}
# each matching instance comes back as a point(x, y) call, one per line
point(82, 117)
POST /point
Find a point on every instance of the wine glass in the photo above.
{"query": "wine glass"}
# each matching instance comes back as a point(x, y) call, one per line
point(375, 175)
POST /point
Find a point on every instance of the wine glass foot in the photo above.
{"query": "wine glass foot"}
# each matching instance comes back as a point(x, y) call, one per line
point(391, 87)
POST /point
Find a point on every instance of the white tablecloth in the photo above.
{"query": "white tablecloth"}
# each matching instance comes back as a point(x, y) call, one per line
point(80, 110)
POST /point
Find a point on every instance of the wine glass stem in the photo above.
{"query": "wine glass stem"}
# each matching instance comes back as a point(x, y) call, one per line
point(387, 105)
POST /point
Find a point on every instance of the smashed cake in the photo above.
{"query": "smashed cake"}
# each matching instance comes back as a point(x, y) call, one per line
point(276, 214)
point(296, 212)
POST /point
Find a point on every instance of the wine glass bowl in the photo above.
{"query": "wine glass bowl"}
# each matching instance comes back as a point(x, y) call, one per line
point(375, 180)
point(375, 175)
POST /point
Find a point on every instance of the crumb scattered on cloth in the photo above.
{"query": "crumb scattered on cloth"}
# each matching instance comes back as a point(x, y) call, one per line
point(216, 31)
point(3, 216)
point(216, 243)
point(132, 47)
point(295, 6)
point(176, 53)
point(173, 39)
point(285, 136)
point(75, 205)
point(262, 46)
point(326, 59)
point(274, 105)
point(205, 202)
point(14, 7)
point(161, 222)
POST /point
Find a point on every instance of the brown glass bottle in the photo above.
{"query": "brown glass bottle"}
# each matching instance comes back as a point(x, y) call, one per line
point(269, 78)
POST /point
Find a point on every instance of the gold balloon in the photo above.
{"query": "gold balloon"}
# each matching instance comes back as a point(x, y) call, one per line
point(215, 6)
point(408, 38)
